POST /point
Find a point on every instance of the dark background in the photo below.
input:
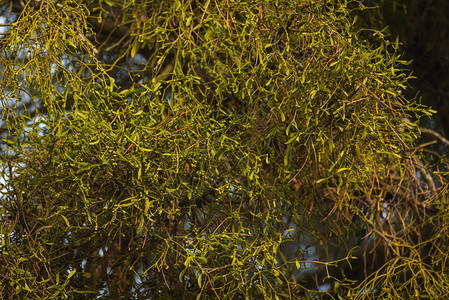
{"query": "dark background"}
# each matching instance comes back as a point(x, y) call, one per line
point(423, 29)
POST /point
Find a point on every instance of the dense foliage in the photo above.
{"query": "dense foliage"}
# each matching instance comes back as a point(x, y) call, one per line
point(226, 149)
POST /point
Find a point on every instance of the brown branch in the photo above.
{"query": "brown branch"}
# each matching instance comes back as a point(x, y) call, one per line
point(108, 29)
point(435, 134)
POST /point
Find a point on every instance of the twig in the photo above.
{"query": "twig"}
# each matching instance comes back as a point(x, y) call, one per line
point(435, 134)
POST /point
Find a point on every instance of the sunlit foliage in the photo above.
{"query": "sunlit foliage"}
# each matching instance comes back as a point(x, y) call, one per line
point(202, 149)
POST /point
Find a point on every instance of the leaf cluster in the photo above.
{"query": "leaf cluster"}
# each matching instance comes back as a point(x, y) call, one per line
point(157, 149)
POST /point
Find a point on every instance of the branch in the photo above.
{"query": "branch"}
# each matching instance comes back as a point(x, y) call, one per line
point(108, 29)
point(435, 134)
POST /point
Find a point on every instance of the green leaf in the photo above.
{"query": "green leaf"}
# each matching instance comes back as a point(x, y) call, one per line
point(66, 220)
